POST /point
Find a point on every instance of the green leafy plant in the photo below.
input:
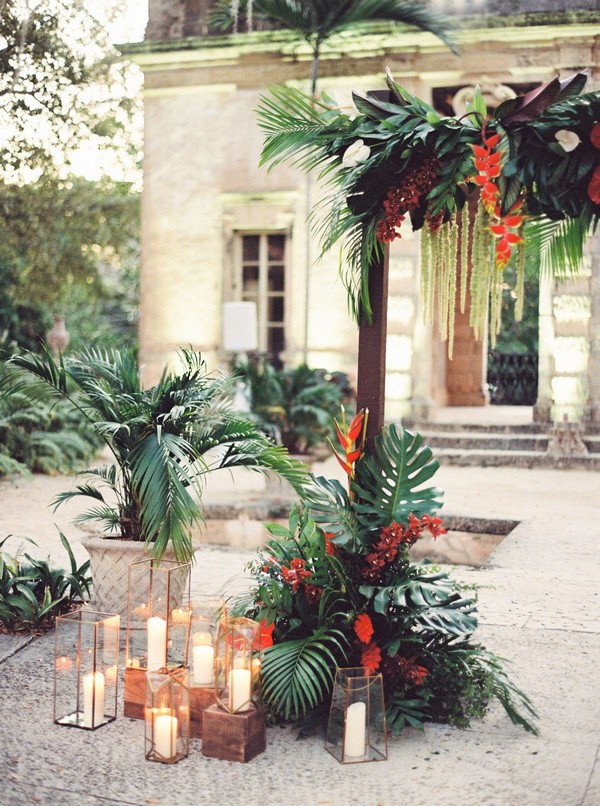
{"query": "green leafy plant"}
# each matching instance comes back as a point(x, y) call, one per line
point(164, 440)
point(33, 592)
point(338, 587)
point(295, 406)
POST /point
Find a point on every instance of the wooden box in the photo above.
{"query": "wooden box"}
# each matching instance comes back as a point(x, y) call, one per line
point(135, 693)
point(233, 737)
point(200, 700)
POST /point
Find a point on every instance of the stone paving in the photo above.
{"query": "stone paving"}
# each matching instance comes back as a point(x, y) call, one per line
point(539, 606)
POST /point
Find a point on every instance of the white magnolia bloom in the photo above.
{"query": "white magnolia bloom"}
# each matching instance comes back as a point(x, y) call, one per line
point(567, 139)
point(355, 153)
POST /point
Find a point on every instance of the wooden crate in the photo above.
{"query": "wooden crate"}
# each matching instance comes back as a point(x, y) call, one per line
point(135, 693)
point(200, 700)
point(233, 737)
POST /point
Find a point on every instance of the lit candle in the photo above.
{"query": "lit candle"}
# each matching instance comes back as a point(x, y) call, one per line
point(181, 616)
point(93, 699)
point(64, 663)
point(165, 735)
point(355, 730)
point(201, 639)
point(157, 642)
point(204, 662)
point(239, 689)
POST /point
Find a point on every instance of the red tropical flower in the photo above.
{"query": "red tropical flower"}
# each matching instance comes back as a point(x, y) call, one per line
point(593, 190)
point(371, 658)
point(295, 574)
point(363, 627)
point(595, 135)
point(266, 634)
point(412, 672)
point(329, 546)
point(435, 526)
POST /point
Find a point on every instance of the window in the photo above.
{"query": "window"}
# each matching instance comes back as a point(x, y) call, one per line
point(262, 281)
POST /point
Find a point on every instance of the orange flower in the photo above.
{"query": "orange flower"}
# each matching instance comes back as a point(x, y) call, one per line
point(363, 627)
point(266, 634)
point(595, 135)
point(371, 658)
point(329, 546)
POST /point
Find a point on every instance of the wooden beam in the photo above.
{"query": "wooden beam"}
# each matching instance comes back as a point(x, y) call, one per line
point(370, 388)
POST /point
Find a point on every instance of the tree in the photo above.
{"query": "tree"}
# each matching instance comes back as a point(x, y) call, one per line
point(54, 57)
point(315, 21)
point(69, 247)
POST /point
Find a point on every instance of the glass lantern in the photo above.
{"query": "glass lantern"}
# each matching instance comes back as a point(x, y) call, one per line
point(237, 665)
point(357, 728)
point(86, 666)
point(158, 623)
point(167, 715)
point(207, 613)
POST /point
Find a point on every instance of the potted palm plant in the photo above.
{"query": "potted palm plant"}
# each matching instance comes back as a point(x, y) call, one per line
point(164, 440)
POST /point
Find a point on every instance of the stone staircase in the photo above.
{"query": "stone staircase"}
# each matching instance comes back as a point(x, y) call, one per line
point(488, 444)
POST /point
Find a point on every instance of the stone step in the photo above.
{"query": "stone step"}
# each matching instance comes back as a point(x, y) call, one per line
point(500, 458)
point(487, 428)
point(471, 440)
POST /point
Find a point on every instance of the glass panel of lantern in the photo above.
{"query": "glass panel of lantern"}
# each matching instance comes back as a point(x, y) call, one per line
point(158, 621)
point(207, 612)
point(237, 664)
point(167, 715)
point(357, 728)
point(86, 665)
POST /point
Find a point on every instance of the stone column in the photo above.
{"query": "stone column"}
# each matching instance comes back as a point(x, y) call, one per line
point(593, 412)
point(542, 411)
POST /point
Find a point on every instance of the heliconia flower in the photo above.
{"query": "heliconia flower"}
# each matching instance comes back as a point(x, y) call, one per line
point(329, 546)
point(567, 139)
point(371, 658)
point(363, 627)
point(595, 135)
point(352, 441)
point(355, 153)
point(593, 190)
point(266, 634)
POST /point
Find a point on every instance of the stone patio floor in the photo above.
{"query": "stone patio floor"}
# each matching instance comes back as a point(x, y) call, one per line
point(539, 606)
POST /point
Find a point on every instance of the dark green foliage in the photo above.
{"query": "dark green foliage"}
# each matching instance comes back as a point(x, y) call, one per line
point(295, 406)
point(33, 592)
point(39, 436)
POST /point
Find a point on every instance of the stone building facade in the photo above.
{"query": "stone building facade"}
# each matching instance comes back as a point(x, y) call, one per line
point(216, 227)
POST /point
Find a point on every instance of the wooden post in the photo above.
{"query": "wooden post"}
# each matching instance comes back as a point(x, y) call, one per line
point(370, 387)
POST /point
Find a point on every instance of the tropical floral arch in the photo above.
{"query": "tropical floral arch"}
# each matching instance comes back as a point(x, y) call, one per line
point(480, 187)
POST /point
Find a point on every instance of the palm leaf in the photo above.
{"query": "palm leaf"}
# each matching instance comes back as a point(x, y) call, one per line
point(297, 675)
point(557, 245)
point(388, 480)
point(329, 505)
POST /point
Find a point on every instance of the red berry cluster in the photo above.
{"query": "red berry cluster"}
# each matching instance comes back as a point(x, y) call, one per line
point(386, 550)
point(405, 197)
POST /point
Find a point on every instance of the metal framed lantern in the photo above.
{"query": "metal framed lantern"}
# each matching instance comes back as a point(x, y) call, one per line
point(234, 727)
point(167, 715)
point(206, 614)
point(158, 625)
point(357, 728)
point(237, 665)
point(86, 669)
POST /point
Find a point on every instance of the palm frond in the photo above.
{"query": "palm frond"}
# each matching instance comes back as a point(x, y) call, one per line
point(557, 245)
point(297, 675)
point(329, 505)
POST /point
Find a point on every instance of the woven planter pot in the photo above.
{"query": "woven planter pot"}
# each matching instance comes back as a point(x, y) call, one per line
point(110, 559)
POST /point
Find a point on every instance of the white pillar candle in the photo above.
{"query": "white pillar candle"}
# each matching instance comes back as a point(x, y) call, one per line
point(355, 730)
point(93, 699)
point(157, 642)
point(202, 639)
point(204, 662)
point(239, 689)
point(165, 735)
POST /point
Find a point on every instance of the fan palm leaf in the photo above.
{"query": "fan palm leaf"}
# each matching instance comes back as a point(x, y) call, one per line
point(297, 675)
point(330, 507)
point(556, 246)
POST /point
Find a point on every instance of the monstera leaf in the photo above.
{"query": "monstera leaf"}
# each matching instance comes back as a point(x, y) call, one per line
point(388, 479)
